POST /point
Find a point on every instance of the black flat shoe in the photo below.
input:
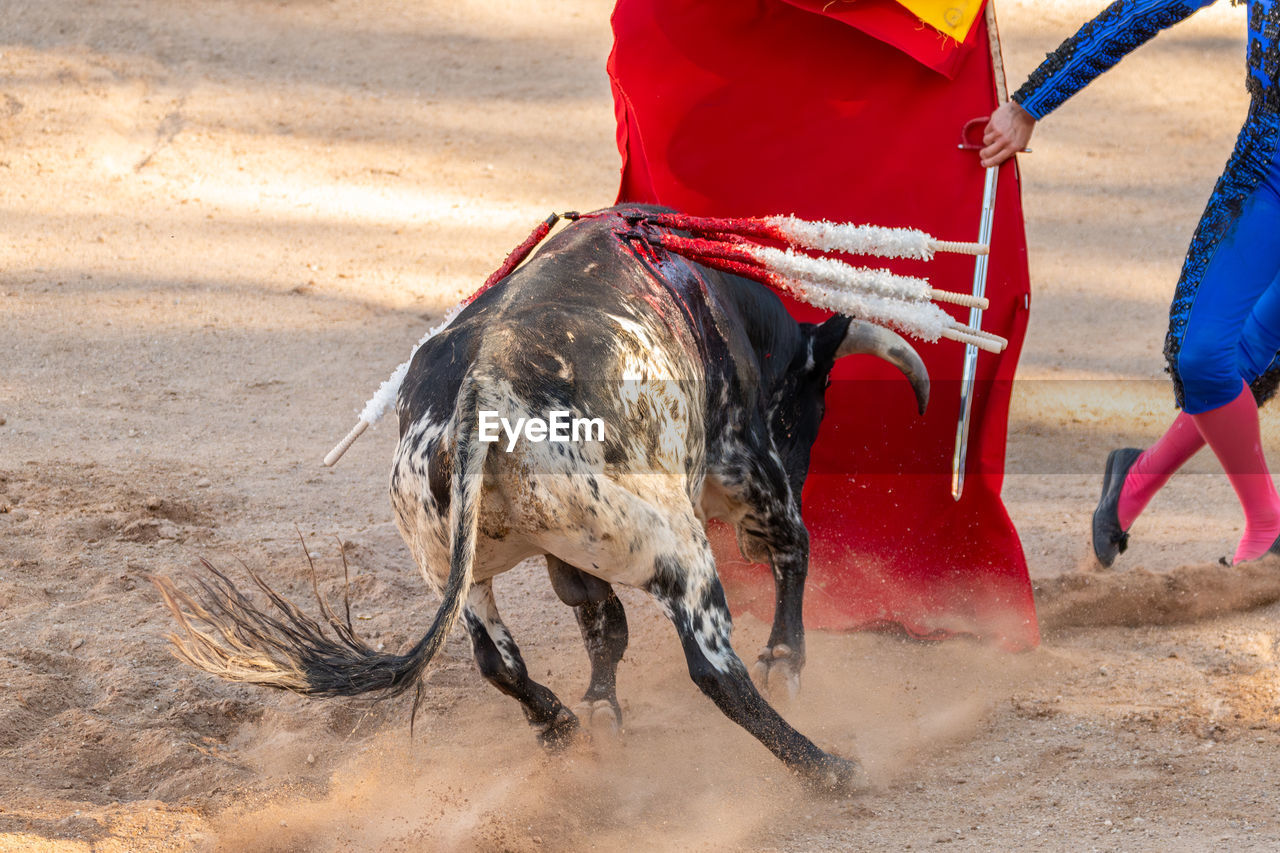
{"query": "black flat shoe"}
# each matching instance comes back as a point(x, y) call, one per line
point(1109, 540)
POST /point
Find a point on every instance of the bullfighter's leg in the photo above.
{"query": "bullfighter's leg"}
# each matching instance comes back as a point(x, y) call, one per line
point(604, 632)
point(689, 590)
point(498, 658)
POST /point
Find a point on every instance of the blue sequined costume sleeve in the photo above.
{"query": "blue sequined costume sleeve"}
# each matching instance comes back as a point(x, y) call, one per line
point(1104, 41)
point(1122, 27)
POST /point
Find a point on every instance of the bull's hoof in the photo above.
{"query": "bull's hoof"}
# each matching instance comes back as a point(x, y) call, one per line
point(560, 732)
point(600, 718)
point(833, 776)
point(776, 672)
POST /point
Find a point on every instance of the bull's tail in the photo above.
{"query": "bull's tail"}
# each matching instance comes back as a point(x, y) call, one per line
point(228, 635)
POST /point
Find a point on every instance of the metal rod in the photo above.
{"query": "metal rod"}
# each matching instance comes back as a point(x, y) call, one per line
point(971, 351)
point(980, 266)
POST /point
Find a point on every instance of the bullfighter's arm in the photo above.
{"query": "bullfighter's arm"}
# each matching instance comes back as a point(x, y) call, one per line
point(1122, 27)
point(1119, 29)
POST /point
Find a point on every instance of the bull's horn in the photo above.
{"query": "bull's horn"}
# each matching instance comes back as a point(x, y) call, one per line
point(875, 340)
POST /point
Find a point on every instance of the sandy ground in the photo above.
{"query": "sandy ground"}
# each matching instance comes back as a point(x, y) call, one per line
point(225, 221)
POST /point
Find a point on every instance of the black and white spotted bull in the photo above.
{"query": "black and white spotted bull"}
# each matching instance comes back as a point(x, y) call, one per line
point(710, 397)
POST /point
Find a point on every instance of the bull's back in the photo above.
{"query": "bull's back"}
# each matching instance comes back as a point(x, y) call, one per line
point(588, 328)
point(587, 334)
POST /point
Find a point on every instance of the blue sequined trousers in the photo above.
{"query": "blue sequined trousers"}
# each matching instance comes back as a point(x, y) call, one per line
point(1221, 295)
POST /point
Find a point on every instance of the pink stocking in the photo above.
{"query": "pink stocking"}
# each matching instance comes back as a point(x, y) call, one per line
point(1232, 432)
point(1155, 466)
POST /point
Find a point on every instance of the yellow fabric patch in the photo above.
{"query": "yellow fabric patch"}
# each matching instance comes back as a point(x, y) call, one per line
point(953, 17)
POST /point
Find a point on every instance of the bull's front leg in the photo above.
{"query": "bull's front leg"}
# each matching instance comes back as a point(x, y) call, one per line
point(778, 667)
point(773, 531)
point(604, 633)
point(603, 623)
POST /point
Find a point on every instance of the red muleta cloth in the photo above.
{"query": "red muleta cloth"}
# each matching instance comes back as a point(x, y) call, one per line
point(852, 111)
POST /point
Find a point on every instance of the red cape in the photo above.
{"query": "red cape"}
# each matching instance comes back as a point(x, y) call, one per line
point(751, 109)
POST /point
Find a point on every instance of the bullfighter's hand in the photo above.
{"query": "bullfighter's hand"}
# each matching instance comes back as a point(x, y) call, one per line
point(1006, 134)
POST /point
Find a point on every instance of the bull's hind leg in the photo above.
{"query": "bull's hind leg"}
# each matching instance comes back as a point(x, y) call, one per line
point(498, 658)
point(689, 591)
point(656, 542)
point(603, 623)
